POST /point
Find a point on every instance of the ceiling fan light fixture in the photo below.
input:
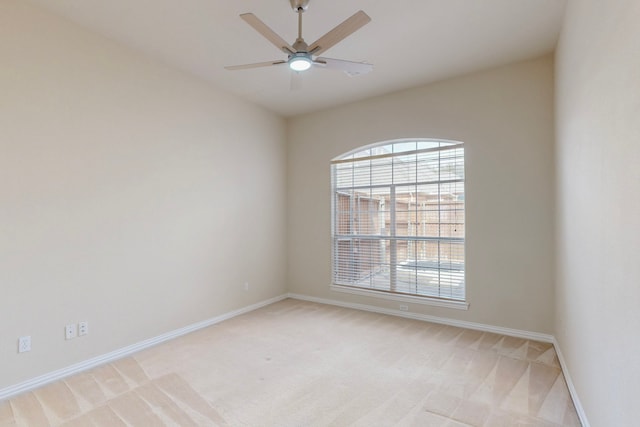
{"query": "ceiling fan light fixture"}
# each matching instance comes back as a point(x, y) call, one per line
point(299, 62)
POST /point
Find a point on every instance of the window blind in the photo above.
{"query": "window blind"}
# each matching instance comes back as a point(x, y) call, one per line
point(398, 218)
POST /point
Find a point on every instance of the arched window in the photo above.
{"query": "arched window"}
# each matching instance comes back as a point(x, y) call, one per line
point(398, 218)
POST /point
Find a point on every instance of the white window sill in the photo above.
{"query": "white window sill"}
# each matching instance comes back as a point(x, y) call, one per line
point(458, 305)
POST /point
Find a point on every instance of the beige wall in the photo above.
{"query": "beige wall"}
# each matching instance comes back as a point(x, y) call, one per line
point(132, 196)
point(598, 199)
point(119, 203)
point(505, 117)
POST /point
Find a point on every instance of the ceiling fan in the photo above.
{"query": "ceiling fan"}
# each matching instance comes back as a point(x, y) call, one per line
point(300, 55)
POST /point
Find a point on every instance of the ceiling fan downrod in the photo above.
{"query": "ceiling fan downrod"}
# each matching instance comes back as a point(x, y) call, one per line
point(301, 60)
point(299, 7)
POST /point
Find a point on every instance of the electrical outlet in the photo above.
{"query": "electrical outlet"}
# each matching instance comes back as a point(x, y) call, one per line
point(24, 344)
point(246, 286)
point(70, 331)
point(404, 307)
point(83, 328)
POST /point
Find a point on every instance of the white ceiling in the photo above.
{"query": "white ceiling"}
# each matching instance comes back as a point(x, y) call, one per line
point(410, 43)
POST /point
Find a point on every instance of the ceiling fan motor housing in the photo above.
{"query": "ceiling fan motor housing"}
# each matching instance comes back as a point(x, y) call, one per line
point(300, 46)
point(299, 5)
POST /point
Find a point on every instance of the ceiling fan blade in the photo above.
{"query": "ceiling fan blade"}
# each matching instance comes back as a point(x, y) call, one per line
point(267, 32)
point(349, 67)
point(342, 31)
point(256, 65)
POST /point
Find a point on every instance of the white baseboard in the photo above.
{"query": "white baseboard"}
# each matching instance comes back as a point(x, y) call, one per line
point(59, 374)
point(572, 390)
point(535, 336)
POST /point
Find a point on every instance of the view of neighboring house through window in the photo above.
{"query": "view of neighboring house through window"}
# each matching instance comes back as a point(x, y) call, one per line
point(398, 218)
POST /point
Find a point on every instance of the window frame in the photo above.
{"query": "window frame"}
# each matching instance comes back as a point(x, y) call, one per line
point(391, 293)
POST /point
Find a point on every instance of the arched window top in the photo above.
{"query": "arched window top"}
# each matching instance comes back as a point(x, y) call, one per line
point(397, 146)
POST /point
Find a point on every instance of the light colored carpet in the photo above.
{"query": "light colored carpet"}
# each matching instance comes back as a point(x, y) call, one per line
point(297, 363)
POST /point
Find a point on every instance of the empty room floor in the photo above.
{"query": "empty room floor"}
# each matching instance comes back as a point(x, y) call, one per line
point(296, 363)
